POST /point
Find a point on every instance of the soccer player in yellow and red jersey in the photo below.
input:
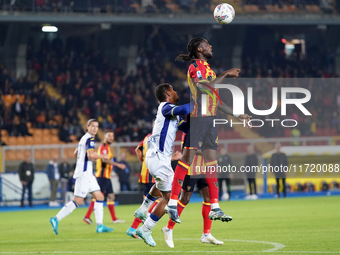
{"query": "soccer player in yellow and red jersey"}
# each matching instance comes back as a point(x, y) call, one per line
point(146, 179)
point(103, 174)
point(204, 137)
point(193, 178)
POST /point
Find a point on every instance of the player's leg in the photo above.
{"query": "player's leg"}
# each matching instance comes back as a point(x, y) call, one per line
point(99, 211)
point(210, 159)
point(181, 171)
point(96, 192)
point(87, 218)
point(206, 236)
point(227, 183)
point(187, 189)
point(163, 175)
point(278, 187)
point(80, 191)
point(284, 187)
point(142, 212)
point(135, 224)
point(144, 231)
point(111, 201)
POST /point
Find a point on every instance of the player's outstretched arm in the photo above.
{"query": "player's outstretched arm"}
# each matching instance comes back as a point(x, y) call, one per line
point(182, 109)
point(91, 154)
point(226, 109)
point(234, 72)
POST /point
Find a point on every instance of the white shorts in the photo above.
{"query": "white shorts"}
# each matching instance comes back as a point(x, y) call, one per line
point(87, 183)
point(160, 168)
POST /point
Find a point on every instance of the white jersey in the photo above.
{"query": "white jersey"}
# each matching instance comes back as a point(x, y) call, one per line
point(164, 130)
point(84, 164)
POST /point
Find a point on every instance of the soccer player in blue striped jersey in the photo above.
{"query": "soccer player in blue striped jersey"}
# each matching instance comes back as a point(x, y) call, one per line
point(86, 182)
point(158, 158)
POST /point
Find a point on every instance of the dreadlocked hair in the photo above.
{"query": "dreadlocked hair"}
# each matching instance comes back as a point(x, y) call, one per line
point(191, 48)
point(161, 90)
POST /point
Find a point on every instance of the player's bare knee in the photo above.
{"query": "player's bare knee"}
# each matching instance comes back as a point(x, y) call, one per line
point(78, 200)
point(111, 197)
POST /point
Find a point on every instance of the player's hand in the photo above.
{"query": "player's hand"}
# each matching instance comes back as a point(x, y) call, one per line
point(234, 72)
point(105, 156)
point(246, 118)
point(121, 166)
point(177, 155)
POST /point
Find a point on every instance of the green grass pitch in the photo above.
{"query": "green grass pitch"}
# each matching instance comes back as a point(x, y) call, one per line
point(284, 226)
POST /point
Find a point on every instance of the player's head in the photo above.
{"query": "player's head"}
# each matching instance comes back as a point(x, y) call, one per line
point(198, 47)
point(250, 149)
point(109, 136)
point(223, 151)
point(278, 147)
point(92, 126)
point(165, 93)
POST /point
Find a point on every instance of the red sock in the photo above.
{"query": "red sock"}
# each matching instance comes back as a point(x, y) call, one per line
point(211, 178)
point(153, 206)
point(90, 210)
point(136, 223)
point(206, 221)
point(180, 208)
point(111, 206)
point(180, 172)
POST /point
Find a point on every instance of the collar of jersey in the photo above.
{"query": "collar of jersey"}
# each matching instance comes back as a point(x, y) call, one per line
point(205, 62)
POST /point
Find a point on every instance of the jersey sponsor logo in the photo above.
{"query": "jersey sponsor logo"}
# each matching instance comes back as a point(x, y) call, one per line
point(199, 75)
point(105, 152)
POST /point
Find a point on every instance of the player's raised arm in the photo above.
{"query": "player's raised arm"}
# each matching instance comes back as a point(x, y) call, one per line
point(91, 154)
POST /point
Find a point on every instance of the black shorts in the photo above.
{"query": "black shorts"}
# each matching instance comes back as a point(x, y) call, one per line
point(146, 188)
point(190, 182)
point(105, 185)
point(202, 134)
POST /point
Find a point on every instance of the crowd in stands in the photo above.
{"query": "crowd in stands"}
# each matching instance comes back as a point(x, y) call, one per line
point(309, 71)
point(158, 6)
point(124, 101)
point(327, 6)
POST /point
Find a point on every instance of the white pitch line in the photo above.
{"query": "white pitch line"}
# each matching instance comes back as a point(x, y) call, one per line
point(120, 252)
point(277, 246)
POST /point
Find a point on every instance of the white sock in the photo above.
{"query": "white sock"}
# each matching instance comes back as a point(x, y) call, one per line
point(66, 210)
point(172, 202)
point(150, 222)
point(215, 206)
point(99, 212)
point(146, 204)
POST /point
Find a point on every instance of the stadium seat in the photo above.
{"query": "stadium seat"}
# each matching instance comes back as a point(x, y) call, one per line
point(29, 140)
point(20, 140)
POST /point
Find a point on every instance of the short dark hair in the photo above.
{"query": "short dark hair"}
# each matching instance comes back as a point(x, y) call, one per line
point(90, 121)
point(161, 90)
point(108, 131)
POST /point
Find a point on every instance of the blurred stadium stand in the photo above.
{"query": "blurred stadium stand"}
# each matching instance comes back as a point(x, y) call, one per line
point(168, 6)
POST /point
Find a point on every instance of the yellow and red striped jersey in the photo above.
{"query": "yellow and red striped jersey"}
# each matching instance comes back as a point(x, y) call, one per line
point(197, 165)
point(103, 169)
point(145, 176)
point(200, 72)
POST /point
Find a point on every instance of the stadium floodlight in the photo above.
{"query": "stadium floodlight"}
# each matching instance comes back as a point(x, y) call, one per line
point(47, 29)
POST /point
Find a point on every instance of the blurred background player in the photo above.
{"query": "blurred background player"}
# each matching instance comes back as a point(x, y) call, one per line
point(224, 161)
point(158, 158)
point(193, 178)
point(104, 168)
point(146, 180)
point(85, 180)
point(26, 175)
point(202, 77)
point(279, 160)
point(251, 161)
